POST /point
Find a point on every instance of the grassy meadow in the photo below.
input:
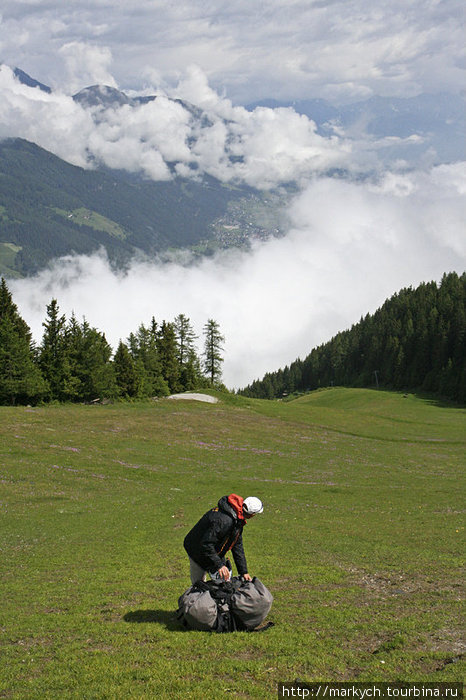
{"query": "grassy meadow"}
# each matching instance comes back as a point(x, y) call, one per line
point(361, 543)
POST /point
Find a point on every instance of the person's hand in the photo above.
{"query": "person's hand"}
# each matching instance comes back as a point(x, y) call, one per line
point(224, 573)
point(247, 577)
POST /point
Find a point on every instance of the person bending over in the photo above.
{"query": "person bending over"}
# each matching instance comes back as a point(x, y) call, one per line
point(216, 533)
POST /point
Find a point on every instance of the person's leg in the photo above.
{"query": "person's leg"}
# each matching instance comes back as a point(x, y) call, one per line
point(197, 572)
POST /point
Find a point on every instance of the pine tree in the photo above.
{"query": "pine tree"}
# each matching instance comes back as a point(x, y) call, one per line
point(190, 370)
point(144, 351)
point(126, 374)
point(168, 355)
point(212, 351)
point(20, 378)
point(53, 359)
point(91, 369)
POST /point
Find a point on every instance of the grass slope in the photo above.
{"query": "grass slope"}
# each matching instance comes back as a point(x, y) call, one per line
point(86, 217)
point(360, 543)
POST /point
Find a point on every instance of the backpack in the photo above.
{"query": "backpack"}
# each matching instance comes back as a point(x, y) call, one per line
point(250, 603)
point(225, 606)
point(197, 608)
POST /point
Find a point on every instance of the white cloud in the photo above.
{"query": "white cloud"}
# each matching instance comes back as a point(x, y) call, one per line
point(88, 64)
point(340, 50)
point(352, 244)
point(53, 121)
point(262, 148)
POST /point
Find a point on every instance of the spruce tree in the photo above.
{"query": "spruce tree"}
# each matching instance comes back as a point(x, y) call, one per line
point(190, 370)
point(212, 351)
point(168, 355)
point(144, 351)
point(91, 369)
point(20, 378)
point(126, 374)
point(53, 359)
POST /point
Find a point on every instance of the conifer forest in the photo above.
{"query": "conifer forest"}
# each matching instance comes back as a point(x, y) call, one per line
point(75, 363)
point(414, 342)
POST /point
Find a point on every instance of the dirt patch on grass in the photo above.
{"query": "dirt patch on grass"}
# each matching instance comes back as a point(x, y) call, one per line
point(396, 583)
point(448, 641)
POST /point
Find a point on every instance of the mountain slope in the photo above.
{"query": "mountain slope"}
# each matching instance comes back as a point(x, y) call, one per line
point(50, 208)
point(416, 340)
point(26, 79)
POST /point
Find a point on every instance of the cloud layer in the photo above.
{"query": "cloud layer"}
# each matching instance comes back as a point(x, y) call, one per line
point(339, 49)
point(261, 148)
point(351, 245)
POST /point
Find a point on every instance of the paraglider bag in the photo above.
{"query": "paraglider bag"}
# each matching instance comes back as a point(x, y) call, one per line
point(225, 606)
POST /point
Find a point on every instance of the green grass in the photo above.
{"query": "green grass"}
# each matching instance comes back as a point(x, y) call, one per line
point(7, 254)
point(86, 217)
point(360, 542)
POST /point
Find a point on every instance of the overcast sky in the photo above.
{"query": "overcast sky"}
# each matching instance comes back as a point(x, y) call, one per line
point(351, 242)
point(337, 49)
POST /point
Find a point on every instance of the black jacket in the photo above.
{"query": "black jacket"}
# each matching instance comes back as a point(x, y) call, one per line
point(218, 531)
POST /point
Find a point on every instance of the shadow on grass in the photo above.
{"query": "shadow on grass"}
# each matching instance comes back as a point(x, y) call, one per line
point(439, 401)
point(162, 617)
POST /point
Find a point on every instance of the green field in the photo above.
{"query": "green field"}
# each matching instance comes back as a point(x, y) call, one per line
point(361, 543)
point(7, 256)
point(86, 217)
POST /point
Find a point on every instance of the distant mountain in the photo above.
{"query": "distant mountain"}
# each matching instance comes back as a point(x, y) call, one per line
point(106, 97)
point(439, 119)
point(102, 96)
point(30, 82)
point(425, 128)
point(49, 208)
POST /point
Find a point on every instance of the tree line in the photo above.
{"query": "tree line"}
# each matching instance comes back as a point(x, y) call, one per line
point(74, 362)
point(415, 341)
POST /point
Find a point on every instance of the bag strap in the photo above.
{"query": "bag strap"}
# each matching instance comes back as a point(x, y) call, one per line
point(263, 628)
point(222, 592)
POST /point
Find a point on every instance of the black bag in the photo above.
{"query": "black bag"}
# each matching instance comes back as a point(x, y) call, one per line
point(225, 606)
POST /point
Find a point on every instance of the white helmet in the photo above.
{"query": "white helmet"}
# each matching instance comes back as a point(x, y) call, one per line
point(252, 505)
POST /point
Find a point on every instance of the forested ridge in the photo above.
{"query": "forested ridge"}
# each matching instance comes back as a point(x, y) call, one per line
point(415, 341)
point(74, 362)
point(40, 195)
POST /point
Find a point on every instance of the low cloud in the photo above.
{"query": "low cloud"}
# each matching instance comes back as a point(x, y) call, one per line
point(87, 63)
point(351, 245)
point(262, 148)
